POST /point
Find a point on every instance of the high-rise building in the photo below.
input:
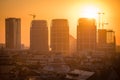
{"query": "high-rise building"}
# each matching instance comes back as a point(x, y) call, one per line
point(106, 37)
point(106, 42)
point(60, 36)
point(86, 36)
point(102, 36)
point(39, 36)
point(111, 42)
point(111, 37)
point(13, 33)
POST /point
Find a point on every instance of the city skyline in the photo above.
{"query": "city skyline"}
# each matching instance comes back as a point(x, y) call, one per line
point(59, 39)
point(99, 58)
point(47, 35)
point(48, 10)
point(88, 38)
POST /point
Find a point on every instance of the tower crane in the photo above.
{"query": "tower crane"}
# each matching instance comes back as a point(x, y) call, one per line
point(33, 15)
point(101, 23)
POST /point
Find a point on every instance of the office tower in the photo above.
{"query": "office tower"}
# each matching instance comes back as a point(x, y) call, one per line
point(106, 42)
point(106, 37)
point(111, 42)
point(86, 36)
point(111, 37)
point(102, 36)
point(60, 36)
point(13, 33)
point(39, 36)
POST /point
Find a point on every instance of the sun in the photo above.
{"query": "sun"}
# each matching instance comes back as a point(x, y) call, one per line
point(90, 12)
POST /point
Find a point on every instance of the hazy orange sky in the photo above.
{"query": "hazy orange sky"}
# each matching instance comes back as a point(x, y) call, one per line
point(52, 9)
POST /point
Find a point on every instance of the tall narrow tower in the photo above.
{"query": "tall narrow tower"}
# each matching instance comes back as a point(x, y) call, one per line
point(102, 36)
point(13, 33)
point(86, 36)
point(60, 36)
point(39, 36)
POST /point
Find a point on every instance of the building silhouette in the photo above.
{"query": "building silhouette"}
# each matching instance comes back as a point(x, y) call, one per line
point(102, 36)
point(60, 36)
point(86, 36)
point(111, 42)
point(111, 37)
point(106, 42)
point(13, 33)
point(39, 36)
point(106, 37)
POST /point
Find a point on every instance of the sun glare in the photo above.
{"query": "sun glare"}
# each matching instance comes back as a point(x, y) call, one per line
point(90, 12)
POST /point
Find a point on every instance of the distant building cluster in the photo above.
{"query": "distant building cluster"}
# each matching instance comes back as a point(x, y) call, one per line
point(89, 39)
point(88, 57)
